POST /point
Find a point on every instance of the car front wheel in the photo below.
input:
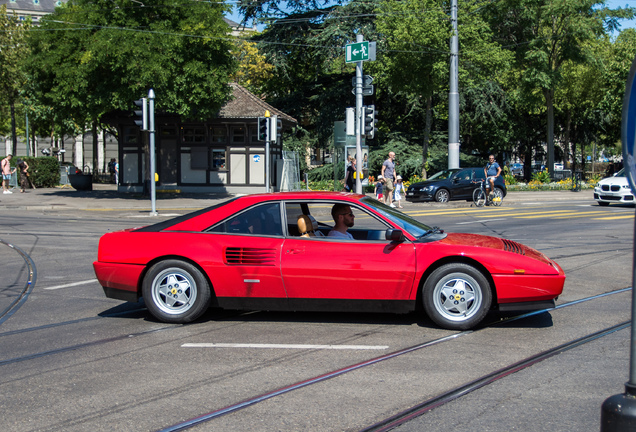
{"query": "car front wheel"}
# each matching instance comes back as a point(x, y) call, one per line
point(175, 291)
point(456, 296)
point(442, 196)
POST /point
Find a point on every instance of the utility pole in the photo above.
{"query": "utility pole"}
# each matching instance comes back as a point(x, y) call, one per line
point(453, 95)
point(359, 120)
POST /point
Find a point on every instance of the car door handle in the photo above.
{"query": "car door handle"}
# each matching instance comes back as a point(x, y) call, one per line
point(295, 251)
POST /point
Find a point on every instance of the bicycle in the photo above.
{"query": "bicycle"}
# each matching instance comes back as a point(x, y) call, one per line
point(481, 196)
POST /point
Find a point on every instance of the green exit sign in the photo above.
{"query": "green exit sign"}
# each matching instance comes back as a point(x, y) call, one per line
point(356, 52)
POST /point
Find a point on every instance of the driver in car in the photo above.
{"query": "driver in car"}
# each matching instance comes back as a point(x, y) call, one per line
point(343, 217)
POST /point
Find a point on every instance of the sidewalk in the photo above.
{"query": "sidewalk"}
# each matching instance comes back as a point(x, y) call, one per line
point(106, 197)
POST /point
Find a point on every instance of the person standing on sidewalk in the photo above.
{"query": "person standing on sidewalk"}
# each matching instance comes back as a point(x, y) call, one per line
point(24, 174)
point(6, 173)
point(388, 172)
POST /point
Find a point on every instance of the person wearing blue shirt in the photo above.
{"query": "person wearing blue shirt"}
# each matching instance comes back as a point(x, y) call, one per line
point(492, 171)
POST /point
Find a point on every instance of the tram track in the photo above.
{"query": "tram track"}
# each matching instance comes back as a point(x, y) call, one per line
point(28, 286)
point(431, 403)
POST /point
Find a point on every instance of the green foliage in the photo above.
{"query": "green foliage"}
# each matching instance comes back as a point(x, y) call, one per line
point(321, 174)
point(176, 47)
point(541, 176)
point(44, 171)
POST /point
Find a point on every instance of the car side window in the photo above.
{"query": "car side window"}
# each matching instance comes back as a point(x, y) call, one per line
point(464, 175)
point(259, 220)
point(366, 226)
point(479, 174)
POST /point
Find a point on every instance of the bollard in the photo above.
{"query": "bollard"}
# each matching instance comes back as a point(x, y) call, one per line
point(618, 413)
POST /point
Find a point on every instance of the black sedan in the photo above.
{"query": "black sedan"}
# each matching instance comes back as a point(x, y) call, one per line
point(451, 184)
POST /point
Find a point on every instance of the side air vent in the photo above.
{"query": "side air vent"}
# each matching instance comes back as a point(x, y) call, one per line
point(250, 256)
point(514, 247)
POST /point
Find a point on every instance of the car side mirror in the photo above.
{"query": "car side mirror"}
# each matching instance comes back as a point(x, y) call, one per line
point(394, 235)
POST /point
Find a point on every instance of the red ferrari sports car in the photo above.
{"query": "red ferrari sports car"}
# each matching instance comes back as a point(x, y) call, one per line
point(274, 252)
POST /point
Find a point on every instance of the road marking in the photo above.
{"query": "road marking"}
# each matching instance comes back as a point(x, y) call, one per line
point(614, 217)
point(480, 221)
point(284, 346)
point(71, 284)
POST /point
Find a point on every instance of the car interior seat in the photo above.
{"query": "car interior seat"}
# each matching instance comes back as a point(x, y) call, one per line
point(305, 226)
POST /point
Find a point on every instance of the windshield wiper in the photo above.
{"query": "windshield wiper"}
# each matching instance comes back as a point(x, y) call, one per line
point(434, 230)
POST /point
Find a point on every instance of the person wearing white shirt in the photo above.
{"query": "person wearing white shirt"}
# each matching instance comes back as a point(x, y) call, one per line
point(344, 219)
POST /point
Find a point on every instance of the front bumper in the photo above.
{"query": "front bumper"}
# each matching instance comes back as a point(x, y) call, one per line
point(413, 196)
point(609, 197)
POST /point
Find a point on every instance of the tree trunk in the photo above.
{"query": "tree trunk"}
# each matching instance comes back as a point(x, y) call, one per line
point(95, 144)
point(14, 135)
point(549, 99)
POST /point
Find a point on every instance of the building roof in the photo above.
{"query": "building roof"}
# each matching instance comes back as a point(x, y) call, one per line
point(32, 7)
point(246, 105)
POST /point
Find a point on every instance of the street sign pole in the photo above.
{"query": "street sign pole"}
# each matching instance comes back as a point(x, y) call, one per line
point(359, 120)
point(618, 412)
point(153, 169)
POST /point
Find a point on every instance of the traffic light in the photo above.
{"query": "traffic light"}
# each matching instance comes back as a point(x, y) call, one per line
point(263, 128)
point(275, 127)
point(141, 115)
point(368, 113)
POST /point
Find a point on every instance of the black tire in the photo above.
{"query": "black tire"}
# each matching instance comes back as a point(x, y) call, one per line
point(601, 203)
point(176, 291)
point(456, 296)
point(479, 197)
point(497, 199)
point(442, 195)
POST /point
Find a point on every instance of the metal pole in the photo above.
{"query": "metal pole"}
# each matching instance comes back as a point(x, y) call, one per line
point(359, 119)
point(267, 165)
point(453, 95)
point(151, 131)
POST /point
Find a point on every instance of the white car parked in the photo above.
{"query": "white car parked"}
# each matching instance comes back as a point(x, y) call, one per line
point(614, 190)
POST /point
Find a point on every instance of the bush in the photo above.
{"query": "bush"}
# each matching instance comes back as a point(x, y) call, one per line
point(44, 171)
point(541, 177)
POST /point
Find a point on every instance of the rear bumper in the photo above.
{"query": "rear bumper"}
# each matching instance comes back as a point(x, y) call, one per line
point(120, 281)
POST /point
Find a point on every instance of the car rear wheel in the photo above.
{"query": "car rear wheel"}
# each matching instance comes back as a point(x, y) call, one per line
point(456, 296)
point(176, 291)
point(442, 196)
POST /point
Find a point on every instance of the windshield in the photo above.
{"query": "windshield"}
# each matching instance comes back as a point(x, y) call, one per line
point(442, 175)
point(408, 224)
point(621, 173)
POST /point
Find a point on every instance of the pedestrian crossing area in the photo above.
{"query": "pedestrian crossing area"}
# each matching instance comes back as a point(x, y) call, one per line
point(493, 213)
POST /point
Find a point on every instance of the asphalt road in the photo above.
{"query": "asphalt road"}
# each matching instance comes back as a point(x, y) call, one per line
point(73, 360)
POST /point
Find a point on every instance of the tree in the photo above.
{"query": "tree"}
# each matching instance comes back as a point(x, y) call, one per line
point(545, 36)
point(253, 71)
point(93, 57)
point(14, 50)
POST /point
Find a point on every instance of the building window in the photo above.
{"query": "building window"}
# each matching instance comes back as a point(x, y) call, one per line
point(193, 135)
point(238, 135)
point(218, 160)
point(218, 135)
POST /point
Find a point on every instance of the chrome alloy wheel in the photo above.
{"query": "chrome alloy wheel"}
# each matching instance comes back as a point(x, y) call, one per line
point(174, 291)
point(456, 298)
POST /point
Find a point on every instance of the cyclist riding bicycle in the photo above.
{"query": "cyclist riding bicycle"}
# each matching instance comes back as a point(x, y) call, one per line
point(492, 171)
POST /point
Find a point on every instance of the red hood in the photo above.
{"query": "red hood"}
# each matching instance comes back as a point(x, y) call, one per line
point(477, 240)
